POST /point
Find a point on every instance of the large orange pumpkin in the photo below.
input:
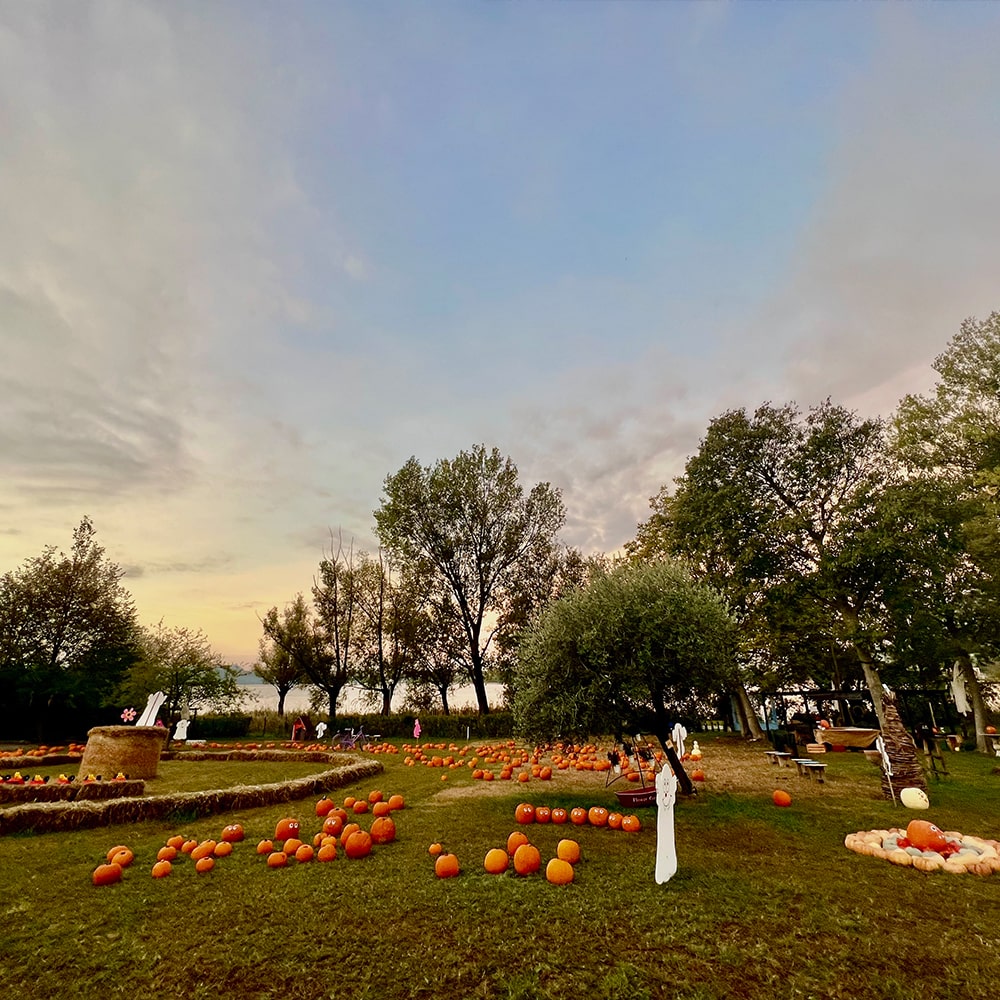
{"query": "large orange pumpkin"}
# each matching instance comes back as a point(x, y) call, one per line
point(358, 844)
point(559, 872)
point(525, 813)
point(496, 861)
point(383, 830)
point(107, 874)
point(928, 837)
point(328, 852)
point(568, 850)
point(446, 866)
point(527, 859)
point(287, 827)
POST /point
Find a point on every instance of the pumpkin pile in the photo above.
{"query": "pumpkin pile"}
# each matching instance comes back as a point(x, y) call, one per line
point(926, 847)
point(519, 854)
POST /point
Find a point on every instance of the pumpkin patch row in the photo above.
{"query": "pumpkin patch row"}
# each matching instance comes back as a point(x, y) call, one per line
point(519, 854)
point(599, 816)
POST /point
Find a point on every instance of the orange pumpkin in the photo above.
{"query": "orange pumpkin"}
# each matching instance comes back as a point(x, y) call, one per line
point(278, 859)
point(347, 831)
point(304, 853)
point(175, 842)
point(525, 813)
point(396, 802)
point(332, 825)
point(324, 805)
point(446, 866)
point(615, 820)
point(375, 796)
point(166, 854)
point(597, 816)
point(349, 802)
point(578, 816)
point(328, 852)
point(223, 849)
point(123, 856)
point(360, 807)
point(383, 830)
point(203, 850)
point(497, 861)
point(287, 827)
point(568, 851)
point(435, 850)
point(265, 847)
point(631, 824)
point(698, 775)
point(232, 834)
point(358, 844)
point(291, 845)
point(515, 840)
point(114, 850)
point(205, 864)
point(781, 797)
point(381, 809)
point(928, 837)
point(559, 872)
point(107, 874)
point(188, 846)
point(162, 869)
point(527, 859)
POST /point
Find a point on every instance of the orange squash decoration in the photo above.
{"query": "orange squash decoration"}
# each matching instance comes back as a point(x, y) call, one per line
point(205, 864)
point(597, 816)
point(107, 874)
point(578, 816)
point(333, 824)
point(358, 844)
point(631, 824)
point(383, 830)
point(446, 866)
point(527, 859)
point(203, 850)
point(559, 872)
point(232, 834)
point(928, 837)
point(324, 805)
point(278, 859)
point(287, 827)
point(328, 852)
point(162, 869)
point(781, 797)
point(497, 861)
point(568, 851)
point(515, 840)
point(123, 856)
point(525, 813)
point(265, 847)
point(559, 815)
point(396, 802)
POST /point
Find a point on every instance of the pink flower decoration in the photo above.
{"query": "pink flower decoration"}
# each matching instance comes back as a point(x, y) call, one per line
point(128, 715)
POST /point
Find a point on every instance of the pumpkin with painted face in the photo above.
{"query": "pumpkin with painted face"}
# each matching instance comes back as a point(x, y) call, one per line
point(928, 837)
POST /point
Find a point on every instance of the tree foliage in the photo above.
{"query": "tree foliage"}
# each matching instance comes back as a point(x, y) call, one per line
point(639, 647)
point(67, 636)
point(469, 520)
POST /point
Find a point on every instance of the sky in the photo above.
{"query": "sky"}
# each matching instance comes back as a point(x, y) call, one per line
point(254, 256)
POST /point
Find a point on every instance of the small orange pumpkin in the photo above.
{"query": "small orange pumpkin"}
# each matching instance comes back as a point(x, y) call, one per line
point(176, 842)
point(333, 824)
point(631, 824)
point(123, 856)
point(559, 872)
point(166, 853)
point(381, 809)
point(107, 874)
point(435, 850)
point(597, 816)
point(291, 845)
point(278, 859)
point(162, 869)
point(615, 820)
point(527, 859)
point(559, 815)
point(781, 797)
point(543, 814)
point(205, 864)
point(265, 847)
point(396, 802)
point(578, 816)
point(525, 813)
point(114, 850)
point(203, 850)
point(496, 861)
point(515, 840)
point(324, 805)
point(446, 866)
point(223, 849)
point(304, 853)
point(568, 851)
point(232, 834)
point(328, 852)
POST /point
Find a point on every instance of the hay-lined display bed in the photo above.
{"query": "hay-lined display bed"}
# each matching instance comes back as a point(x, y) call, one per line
point(49, 817)
point(75, 792)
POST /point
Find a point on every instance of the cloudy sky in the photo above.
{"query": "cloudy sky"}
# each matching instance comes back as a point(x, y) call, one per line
point(253, 256)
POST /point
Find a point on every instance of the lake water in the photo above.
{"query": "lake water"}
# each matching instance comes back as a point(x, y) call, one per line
point(261, 697)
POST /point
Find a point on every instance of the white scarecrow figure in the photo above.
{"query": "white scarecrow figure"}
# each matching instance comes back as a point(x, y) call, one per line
point(666, 849)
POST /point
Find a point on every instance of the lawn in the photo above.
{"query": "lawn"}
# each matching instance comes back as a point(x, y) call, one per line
point(767, 902)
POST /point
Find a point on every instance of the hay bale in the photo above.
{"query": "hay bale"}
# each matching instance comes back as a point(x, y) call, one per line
point(131, 750)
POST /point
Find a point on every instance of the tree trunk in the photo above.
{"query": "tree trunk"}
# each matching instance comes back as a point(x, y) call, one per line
point(281, 702)
point(748, 717)
point(479, 685)
point(870, 670)
point(443, 691)
point(386, 703)
point(975, 700)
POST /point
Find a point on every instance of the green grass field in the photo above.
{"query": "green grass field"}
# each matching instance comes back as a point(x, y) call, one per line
point(767, 902)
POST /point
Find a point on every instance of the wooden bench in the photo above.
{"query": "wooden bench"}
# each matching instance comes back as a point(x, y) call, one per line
point(777, 757)
point(807, 768)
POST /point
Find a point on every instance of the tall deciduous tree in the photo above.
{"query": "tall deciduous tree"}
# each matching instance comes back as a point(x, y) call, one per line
point(181, 663)
point(470, 519)
point(67, 635)
point(951, 438)
point(277, 666)
point(778, 499)
point(635, 650)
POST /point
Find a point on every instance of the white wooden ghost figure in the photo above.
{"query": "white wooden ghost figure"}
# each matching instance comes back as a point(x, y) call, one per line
point(666, 849)
point(677, 736)
point(153, 704)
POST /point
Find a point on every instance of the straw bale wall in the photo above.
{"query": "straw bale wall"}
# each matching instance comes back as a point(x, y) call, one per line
point(55, 792)
point(48, 817)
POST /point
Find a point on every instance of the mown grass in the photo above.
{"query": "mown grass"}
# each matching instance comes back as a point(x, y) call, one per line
point(766, 902)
